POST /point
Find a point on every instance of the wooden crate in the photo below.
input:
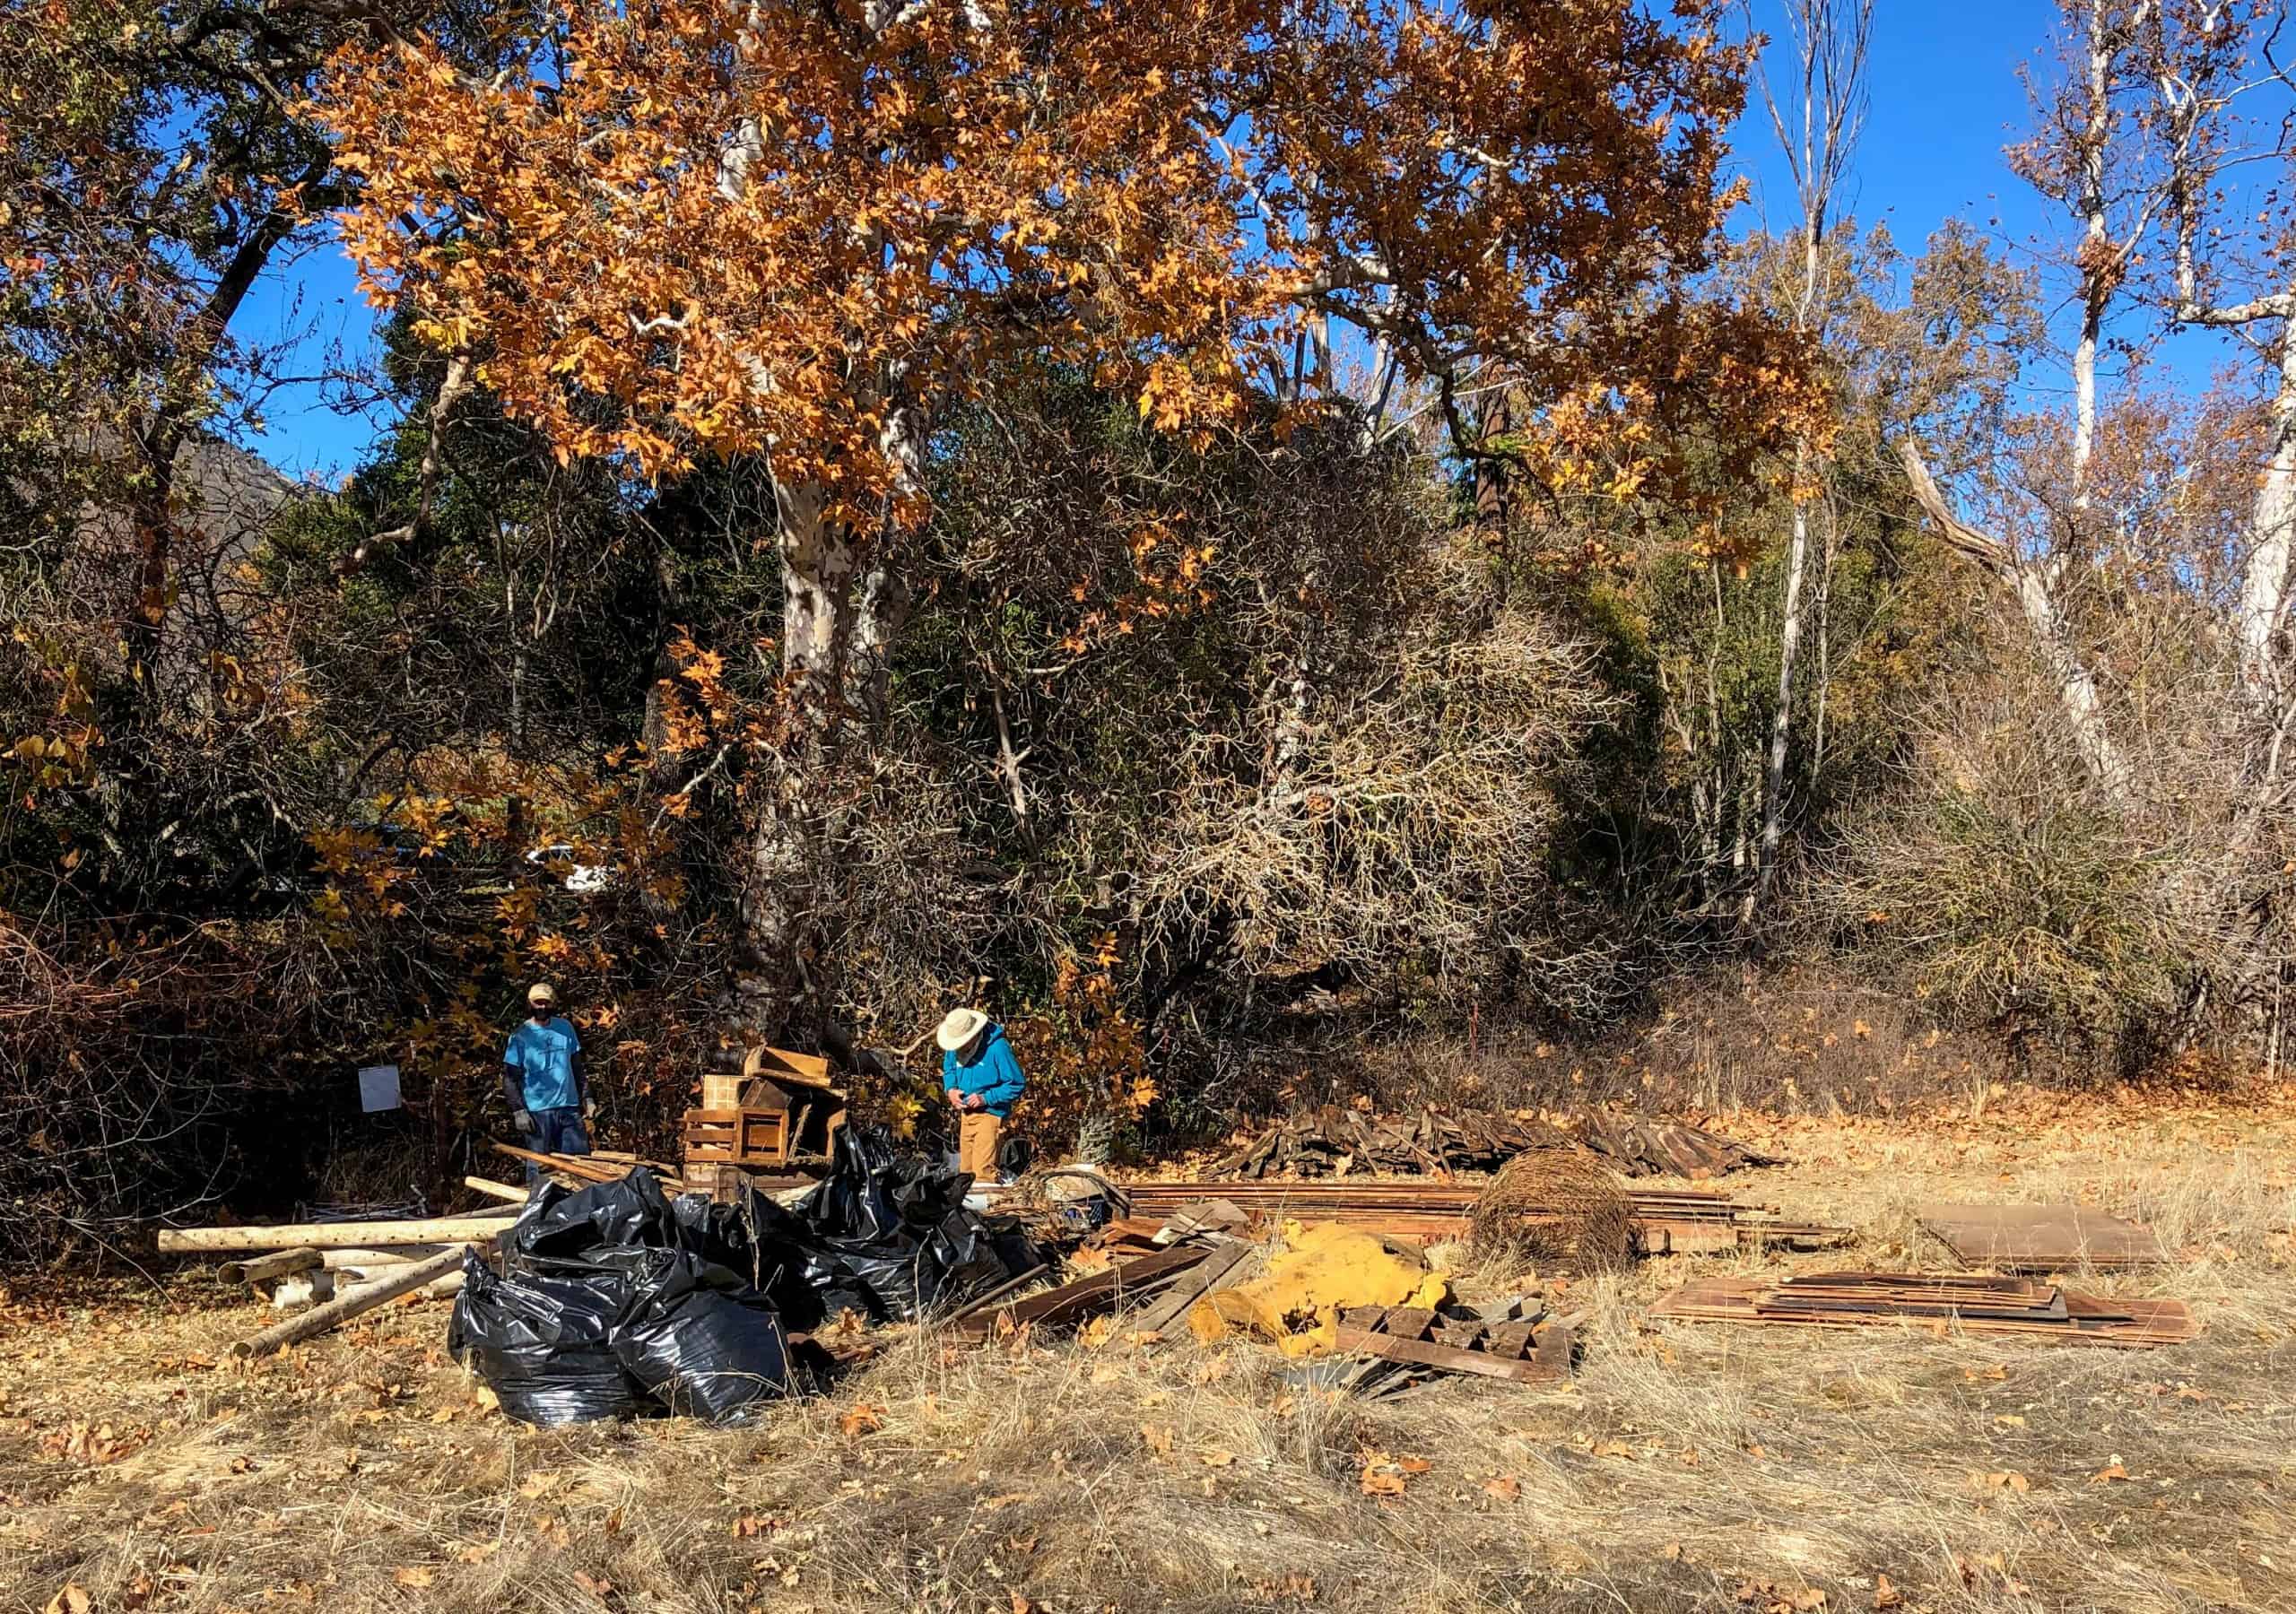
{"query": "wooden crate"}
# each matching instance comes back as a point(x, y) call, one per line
point(737, 1136)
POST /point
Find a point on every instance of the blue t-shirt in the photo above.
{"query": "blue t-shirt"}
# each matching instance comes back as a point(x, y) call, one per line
point(543, 1057)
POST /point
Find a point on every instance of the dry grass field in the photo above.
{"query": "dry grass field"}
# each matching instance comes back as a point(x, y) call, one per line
point(1690, 1466)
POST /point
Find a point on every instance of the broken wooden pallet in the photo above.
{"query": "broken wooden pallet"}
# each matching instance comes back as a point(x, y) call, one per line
point(1534, 1351)
point(2001, 1306)
point(2040, 1238)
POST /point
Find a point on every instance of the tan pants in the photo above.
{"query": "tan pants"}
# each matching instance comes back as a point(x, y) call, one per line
point(977, 1145)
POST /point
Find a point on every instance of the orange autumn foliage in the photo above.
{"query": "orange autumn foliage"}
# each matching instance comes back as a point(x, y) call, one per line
point(721, 228)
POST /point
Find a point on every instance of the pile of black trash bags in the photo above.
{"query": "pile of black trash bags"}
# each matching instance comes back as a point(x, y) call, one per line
point(615, 1300)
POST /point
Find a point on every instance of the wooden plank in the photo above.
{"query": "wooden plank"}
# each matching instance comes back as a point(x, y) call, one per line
point(344, 1307)
point(1096, 1292)
point(263, 1269)
point(987, 1302)
point(573, 1165)
point(1423, 1353)
point(331, 1236)
point(1462, 1333)
point(1207, 1277)
point(494, 1190)
point(1507, 1341)
point(1550, 1347)
point(1408, 1322)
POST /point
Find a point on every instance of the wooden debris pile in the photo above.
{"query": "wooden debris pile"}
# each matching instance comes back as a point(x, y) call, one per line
point(1333, 1141)
point(2040, 1238)
point(1666, 1148)
point(1359, 1314)
point(1176, 1275)
point(1321, 1271)
point(2002, 1306)
point(393, 1258)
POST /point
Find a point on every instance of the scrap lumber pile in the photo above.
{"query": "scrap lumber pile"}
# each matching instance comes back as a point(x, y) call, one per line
point(1667, 1147)
point(1333, 1142)
point(1132, 1283)
point(393, 1258)
point(1336, 1291)
point(2002, 1306)
point(1330, 1141)
point(1676, 1221)
point(2040, 1238)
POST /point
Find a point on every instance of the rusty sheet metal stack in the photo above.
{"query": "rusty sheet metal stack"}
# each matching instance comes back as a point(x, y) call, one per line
point(2003, 1305)
point(1678, 1221)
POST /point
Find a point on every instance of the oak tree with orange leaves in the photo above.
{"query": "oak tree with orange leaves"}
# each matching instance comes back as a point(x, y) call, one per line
point(694, 229)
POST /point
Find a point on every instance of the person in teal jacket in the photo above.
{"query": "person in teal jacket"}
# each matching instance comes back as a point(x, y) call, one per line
point(981, 1078)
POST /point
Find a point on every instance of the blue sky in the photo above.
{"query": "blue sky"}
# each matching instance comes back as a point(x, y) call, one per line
point(1946, 99)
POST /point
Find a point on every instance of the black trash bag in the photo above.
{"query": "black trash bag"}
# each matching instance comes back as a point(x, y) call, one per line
point(544, 1344)
point(891, 1237)
point(663, 1292)
point(702, 1342)
point(608, 1226)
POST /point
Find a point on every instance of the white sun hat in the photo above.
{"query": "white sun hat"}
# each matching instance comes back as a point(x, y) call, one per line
point(958, 1027)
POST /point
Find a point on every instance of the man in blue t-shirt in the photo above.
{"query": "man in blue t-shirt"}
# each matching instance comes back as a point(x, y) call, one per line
point(542, 1077)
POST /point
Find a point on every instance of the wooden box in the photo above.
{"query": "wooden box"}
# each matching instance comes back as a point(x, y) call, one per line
point(737, 1136)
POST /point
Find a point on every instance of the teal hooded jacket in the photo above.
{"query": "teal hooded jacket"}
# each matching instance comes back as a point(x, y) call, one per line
point(994, 1073)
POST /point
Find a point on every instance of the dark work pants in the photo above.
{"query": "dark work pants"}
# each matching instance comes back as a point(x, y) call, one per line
point(556, 1131)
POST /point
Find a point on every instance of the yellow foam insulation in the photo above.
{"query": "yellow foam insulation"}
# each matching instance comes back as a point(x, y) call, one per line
point(1321, 1269)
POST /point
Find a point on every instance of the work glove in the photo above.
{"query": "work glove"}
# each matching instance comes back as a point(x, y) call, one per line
point(524, 1120)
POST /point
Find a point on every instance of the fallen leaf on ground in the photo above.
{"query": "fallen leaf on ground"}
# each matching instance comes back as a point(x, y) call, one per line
point(1505, 1487)
point(1158, 1438)
point(1385, 1476)
point(72, 1600)
point(863, 1419)
point(1216, 1459)
point(1885, 1595)
point(412, 1576)
point(2110, 1472)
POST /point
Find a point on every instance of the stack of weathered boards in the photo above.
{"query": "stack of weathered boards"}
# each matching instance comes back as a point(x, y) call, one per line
point(2010, 1306)
point(1661, 1148)
point(1332, 1140)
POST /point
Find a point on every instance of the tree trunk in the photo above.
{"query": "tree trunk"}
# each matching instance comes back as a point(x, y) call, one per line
point(2034, 586)
point(1789, 644)
point(843, 605)
point(2264, 584)
point(2097, 257)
